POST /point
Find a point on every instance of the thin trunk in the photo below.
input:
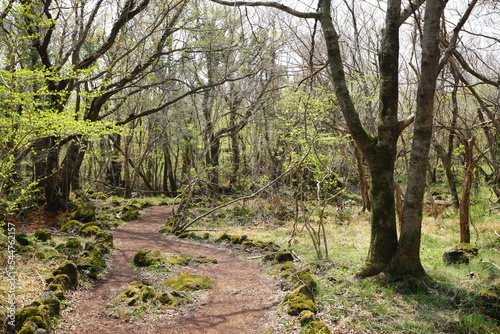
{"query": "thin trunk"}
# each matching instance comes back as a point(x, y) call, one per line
point(466, 189)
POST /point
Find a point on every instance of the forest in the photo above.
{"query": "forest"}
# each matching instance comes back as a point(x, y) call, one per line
point(355, 141)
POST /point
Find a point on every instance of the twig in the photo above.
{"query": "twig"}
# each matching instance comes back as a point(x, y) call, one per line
point(491, 263)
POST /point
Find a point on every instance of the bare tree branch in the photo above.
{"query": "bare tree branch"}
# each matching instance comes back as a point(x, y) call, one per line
point(273, 4)
point(453, 42)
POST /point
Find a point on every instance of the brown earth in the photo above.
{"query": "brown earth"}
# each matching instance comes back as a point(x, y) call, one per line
point(242, 301)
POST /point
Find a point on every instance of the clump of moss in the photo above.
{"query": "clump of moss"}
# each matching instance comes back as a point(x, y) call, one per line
point(70, 269)
point(300, 303)
point(279, 257)
point(84, 212)
point(31, 318)
point(190, 282)
point(89, 229)
point(71, 226)
point(91, 263)
point(23, 239)
point(41, 235)
point(129, 213)
point(145, 258)
point(318, 327)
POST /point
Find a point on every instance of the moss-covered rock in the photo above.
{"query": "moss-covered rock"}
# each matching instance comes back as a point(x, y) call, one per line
point(279, 257)
point(49, 299)
point(62, 280)
point(190, 282)
point(41, 235)
point(70, 269)
point(306, 317)
point(71, 226)
point(129, 213)
point(304, 290)
point(461, 253)
point(39, 315)
point(134, 293)
point(145, 258)
point(490, 302)
point(318, 327)
point(168, 299)
point(90, 229)
point(73, 243)
point(299, 303)
point(91, 263)
point(23, 239)
point(84, 212)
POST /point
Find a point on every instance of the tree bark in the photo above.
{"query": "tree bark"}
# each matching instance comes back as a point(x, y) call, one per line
point(407, 258)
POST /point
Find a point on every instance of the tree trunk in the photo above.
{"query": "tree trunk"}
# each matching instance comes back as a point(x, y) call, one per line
point(407, 258)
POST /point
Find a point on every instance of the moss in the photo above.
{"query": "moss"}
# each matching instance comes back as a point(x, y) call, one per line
point(145, 258)
point(168, 299)
point(61, 280)
point(23, 239)
point(298, 304)
point(91, 263)
point(71, 226)
point(304, 290)
point(84, 212)
point(279, 257)
point(461, 253)
point(303, 277)
point(70, 269)
point(42, 235)
point(73, 243)
point(134, 293)
point(190, 282)
point(129, 213)
point(288, 266)
point(52, 302)
point(318, 327)
point(36, 314)
point(104, 237)
point(89, 229)
point(306, 317)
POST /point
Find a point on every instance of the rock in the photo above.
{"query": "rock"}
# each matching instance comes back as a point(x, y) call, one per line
point(134, 293)
point(42, 235)
point(23, 239)
point(461, 253)
point(37, 315)
point(306, 317)
point(70, 227)
point(168, 299)
point(145, 258)
point(84, 212)
point(298, 304)
point(70, 269)
point(61, 280)
point(190, 282)
point(279, 257)
point(318, 327)
point(304, 290)
point(89, 229)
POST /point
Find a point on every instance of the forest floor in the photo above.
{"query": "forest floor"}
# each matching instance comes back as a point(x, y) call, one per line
point(243, 300)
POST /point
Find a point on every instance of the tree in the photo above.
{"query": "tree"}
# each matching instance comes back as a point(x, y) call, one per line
point(386, 253)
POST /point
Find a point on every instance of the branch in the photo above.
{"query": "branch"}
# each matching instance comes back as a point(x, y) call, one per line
point(412, 7)
point(453, 43)
point(403, 124)
point(132, 117)
point(273, 4)
point(247, 196)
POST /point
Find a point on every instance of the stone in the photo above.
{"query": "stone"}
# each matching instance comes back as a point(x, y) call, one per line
point(461, 253)
point(41, 235)
point(190, 282)
point(71, 226)
point(299, 303)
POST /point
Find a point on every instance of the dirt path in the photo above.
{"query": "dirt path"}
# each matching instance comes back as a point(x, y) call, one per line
point(240, 302)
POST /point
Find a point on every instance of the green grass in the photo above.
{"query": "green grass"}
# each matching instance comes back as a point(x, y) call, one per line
point(449, 304)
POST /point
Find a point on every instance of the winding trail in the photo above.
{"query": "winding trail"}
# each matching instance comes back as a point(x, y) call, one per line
point(249, 311)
